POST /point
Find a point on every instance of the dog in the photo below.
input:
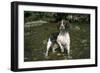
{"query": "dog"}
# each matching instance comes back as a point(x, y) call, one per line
point(61, 38)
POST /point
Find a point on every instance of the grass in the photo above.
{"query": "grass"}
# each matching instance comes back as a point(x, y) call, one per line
point(35, 41)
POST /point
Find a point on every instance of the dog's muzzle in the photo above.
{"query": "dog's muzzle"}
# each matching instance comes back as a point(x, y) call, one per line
point(62, 27)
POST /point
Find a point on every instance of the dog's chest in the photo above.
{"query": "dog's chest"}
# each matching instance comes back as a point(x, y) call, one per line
point(63, 39)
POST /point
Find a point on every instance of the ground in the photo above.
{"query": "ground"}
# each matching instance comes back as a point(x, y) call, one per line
point(36, 36)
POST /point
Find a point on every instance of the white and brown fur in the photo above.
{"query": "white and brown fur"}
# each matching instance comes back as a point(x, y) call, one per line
point(61, 38)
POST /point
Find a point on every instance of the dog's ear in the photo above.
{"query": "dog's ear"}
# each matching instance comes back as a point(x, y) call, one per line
point(58, 24)
point(67, 26)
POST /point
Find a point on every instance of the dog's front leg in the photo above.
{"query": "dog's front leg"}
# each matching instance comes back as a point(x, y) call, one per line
point(68, 50)
point(54, 46)
point(54, 49)
point(61, 47)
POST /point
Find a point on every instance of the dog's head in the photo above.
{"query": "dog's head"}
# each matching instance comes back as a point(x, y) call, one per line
point(63, 24)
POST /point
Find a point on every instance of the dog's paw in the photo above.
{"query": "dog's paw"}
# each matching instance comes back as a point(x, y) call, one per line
point(46, 57)
point(69, 57)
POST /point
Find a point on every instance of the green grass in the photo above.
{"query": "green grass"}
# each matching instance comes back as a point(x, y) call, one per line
point(35, 41)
